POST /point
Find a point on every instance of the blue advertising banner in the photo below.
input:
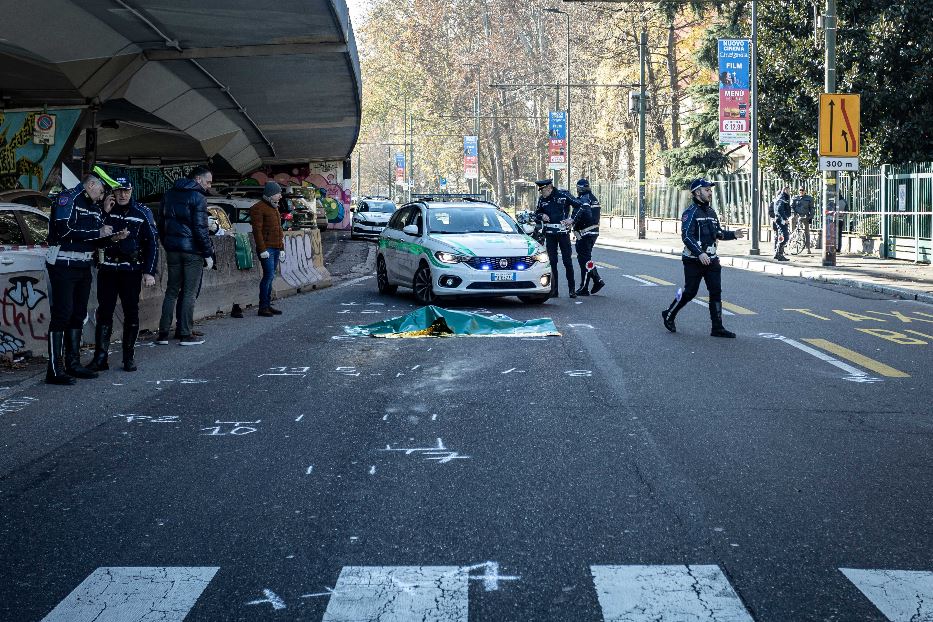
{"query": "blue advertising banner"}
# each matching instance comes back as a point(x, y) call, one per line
point(400, 168)
point(557, 140)
point(735, 113)
point(31, 143)
point(470, 157)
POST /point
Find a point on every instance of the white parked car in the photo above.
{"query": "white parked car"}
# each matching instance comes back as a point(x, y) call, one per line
point(441, 249)
point(370, 217)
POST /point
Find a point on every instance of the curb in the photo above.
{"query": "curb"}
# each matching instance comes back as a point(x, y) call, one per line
point(753, 265)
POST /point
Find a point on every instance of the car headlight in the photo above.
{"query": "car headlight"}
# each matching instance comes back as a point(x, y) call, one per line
point(542, 257)
point(445, 257)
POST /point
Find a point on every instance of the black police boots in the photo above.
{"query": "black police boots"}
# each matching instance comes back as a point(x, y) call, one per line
point(585, 288)
point(715, 316)
point(130, 333)
point(598, 283)
point(55, 372)
point(73, 366)
point(101, 347)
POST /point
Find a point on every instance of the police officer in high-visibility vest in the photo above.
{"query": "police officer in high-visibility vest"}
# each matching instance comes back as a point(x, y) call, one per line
point(76, 230)
point(586, 228)
point(554, 207)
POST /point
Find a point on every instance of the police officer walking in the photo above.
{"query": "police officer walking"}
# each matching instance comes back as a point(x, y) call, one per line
point(586, 225)
point(781, 208)
point(700, 231)
point(128, 264)
point(553, 210)
point(76, 229)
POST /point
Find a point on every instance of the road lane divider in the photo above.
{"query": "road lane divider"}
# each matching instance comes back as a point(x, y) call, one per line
point(854, 374)
point(857, 358)
point(654, 279)
point(644, 283)
point(704, 302)
point(734, 308)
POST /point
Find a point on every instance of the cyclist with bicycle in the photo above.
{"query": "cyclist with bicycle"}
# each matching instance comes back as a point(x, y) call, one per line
point(802, 206)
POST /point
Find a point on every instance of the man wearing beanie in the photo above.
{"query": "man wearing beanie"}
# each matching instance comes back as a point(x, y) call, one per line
point(270, 242)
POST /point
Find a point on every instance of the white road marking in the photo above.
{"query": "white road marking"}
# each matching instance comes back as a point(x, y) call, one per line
point(130, 594)
point(855, 374)
point(644, 282)
point(703, 303)
point(901, 595)
point(647, 593)
point(270, 598)
point(300, 417)
point(399, 594)
point(310, 469)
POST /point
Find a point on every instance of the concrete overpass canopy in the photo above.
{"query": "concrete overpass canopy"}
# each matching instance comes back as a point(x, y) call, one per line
point(257, 82)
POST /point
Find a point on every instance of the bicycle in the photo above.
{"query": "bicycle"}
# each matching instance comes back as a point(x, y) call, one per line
point(798, 238)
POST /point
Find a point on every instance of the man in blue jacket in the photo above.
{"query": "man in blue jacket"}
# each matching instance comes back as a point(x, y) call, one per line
point(184, 232)
point(700, 231)
point(554, 208)
point(128, 264)
point(76, 230)
point(586, 225)
point(781, 208)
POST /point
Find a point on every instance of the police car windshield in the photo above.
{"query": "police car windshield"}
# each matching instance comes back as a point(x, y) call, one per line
point(470, 220)
point(381, 206)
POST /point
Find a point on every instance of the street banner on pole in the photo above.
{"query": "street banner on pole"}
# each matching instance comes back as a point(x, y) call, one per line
point(400, 169)
point(735, 113)
point(557, 140)
point(470, 157)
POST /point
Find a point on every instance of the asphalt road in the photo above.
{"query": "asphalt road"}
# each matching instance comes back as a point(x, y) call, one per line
point(284, 471)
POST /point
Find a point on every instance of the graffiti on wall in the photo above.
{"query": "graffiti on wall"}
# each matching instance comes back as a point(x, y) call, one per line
point(24, 314)
point(149, 180)
point(23, 163)
point(327, 178)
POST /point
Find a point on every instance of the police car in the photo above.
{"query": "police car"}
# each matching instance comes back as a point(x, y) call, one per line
point(370, 217)
point(441, 247)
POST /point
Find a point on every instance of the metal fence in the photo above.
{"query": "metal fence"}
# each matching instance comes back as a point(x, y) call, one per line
point(891, 202)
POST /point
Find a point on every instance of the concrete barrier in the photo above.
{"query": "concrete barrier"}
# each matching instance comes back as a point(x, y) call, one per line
point(25, 305)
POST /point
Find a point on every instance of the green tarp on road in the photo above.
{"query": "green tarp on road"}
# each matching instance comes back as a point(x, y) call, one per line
point(434, 321)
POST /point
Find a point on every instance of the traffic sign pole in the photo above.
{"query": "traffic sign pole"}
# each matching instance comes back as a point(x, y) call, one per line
point(830, 178)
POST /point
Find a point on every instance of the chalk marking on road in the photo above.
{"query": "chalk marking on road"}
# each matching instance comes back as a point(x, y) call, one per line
point(901, 595)
point(385, 417)
point(127, 594)
point(859, 359)
point(434, 417)
point(271, 598)
point(645, 283)
point(579, 373)
point(300, 417)
point(309, 470)
point(414, 368)
point(607, 266)
point(735, 309)
point(656, 280)
point(491, 577)
point(704, 302)
point(328, 592)
point(590, 326)
point(372, 470)
point(855, 374)
point(647, 593)
point(439, 453)
point(399, 593)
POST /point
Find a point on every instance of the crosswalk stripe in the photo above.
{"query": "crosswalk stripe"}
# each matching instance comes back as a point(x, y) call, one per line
point(640, 280)
point(646, 593)
point(607, 266)
point(655, 279)
point(399, 594)
point(704, 302)
point(734, 308)
point(901, 595)
point(131, 594)
point(859, 359)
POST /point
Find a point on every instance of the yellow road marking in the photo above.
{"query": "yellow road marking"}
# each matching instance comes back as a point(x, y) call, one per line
point(608, 266)
point(810, 313)
point(858, 359)
point(654, 280)
point(728, 306)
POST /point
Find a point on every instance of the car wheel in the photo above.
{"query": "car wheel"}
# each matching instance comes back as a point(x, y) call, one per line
point(382, 278)
point(535, 300)
point(422, 285)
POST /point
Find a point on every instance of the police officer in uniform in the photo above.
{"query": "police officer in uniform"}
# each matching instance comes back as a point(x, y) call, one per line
point(128, 264)
point(700, 231)
point(781, 208)
point(586, 225)
point(76, 229)
point(554, 207)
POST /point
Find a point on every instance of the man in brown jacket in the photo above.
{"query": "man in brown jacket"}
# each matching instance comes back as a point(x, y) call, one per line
point(270, 242)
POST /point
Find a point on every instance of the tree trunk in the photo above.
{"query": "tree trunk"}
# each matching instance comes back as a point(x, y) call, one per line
point(675, 85)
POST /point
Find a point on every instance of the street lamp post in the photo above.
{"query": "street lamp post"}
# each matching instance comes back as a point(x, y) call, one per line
point(476, 117)
point(567, 15)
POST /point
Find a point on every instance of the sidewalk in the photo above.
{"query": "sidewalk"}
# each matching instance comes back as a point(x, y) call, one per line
point(888, 276)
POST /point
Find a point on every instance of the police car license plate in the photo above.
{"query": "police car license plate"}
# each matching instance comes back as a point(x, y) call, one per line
point(503, 276)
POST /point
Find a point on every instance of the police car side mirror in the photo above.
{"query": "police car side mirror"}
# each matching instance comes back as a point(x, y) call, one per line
point(528, 229)
point(410, 229)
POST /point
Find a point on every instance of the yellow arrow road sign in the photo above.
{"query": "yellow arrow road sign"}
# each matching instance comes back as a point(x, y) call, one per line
point(839, 125)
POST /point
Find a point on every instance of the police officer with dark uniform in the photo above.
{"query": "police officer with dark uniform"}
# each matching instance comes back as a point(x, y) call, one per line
point(781, 209)
point(128, 264)
point(554, 207)
point(586, 226)
point(76, 230)
point(700, 231)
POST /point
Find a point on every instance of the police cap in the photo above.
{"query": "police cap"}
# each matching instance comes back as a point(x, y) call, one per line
point(544, 182)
